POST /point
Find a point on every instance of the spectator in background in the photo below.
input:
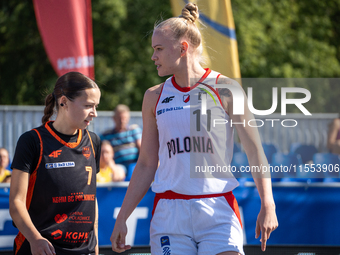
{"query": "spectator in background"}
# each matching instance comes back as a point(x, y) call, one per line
point(333, 140)
point(125, 139)
point(5, 174)
point(109, 170)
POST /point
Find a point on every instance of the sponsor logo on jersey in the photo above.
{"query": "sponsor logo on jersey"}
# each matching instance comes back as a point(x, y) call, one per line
point(161, 111)
point(186, 98)
point(167, 100)
point(86, 152)
point(165, 240)
point(59, 165)
point(60, 218)
point(57, 234)
point(165, 244)
point(55, 154)
point(71, 236)
point(76, 235)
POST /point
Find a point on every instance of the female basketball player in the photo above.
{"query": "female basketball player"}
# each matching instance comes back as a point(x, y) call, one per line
point(195, 211)
point(53, 188)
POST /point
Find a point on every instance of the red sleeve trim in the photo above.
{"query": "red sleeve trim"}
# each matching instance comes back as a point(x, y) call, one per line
point(218, 76)
point(159, 97)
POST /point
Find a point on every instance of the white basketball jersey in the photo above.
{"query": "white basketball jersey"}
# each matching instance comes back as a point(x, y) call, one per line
point(195, 139)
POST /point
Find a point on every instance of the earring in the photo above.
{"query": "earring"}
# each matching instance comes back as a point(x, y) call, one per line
point(61, 104)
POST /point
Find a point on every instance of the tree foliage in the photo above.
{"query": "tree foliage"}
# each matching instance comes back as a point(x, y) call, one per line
point(276, 39)
point(290, 39)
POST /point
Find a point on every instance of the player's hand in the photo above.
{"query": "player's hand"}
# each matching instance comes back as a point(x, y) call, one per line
point(265, 224)
point(118, 237)
point(42, 246)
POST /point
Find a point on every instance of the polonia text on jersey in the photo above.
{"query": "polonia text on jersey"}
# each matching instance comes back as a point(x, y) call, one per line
point(188, 144)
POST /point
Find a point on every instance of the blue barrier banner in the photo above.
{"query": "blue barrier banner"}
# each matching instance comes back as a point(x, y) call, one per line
point(110, 200)
point(7, 231)
point(308, 214)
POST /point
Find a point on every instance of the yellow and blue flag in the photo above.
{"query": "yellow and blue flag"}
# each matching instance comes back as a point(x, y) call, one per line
point(220, 51)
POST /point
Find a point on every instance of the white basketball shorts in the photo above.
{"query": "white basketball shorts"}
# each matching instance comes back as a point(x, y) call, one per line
point(195, 225)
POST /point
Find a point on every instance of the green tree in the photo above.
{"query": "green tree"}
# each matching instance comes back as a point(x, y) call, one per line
point(25, 71)
point(122, 39)
point(290, 39)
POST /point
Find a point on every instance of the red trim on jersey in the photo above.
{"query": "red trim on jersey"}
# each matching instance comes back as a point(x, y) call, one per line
point(70, 145)
point(94, 153)
point(187, 89)
point(218, 76)
point(229, 196)
point(159, 97)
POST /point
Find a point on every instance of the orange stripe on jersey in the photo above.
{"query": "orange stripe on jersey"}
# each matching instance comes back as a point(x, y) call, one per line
point(33, 176)
point(20, 238)
point(70, 145)
point(94, 153)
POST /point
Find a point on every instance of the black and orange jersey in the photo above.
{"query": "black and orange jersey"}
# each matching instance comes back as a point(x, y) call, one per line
point(62, 191)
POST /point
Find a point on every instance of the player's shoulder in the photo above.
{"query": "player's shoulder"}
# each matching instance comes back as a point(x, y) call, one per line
point(95, 139)
point(152, 94)
point(151, 97)
point(30, 136)
point(154, 91)
point(93, 135)
point(226, 80)
point(228, 86)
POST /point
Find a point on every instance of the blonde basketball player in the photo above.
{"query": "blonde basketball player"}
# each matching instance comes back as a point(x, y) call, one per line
point(194, 213)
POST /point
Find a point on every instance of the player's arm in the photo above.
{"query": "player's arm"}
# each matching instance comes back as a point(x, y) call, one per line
point(250, 139)
point(332, 144)
point(20, 216)
point(144, 171)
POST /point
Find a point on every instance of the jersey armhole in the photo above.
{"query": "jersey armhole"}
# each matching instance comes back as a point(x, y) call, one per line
point(218, 94)
point(92, 135)
point(88, 133)
point(159, 97)
point(41, 150)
